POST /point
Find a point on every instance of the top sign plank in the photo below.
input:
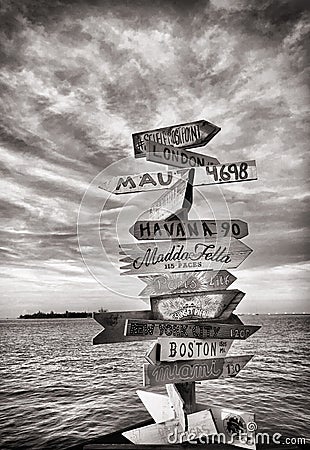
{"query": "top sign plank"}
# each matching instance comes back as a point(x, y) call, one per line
point(184, 135)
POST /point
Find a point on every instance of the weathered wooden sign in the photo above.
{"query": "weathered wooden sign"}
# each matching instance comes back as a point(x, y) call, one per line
point(151, 329)
point(178, 198)
point(183, 282)
point(199, 423)
point(190, 229)
point(182, 256)
point(147, 181)
point(196, 305)
point(114, 324)
point(232, 424)
point(184, 349)
point(184, 371)
point(226, 173)
point(184, 135)
point(178, 405)
point(176, 157)
point(153, 181)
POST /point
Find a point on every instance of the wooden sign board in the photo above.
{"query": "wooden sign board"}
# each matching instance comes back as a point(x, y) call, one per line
point(199, 423)
point(196, 305)
point(177, 157)
point(143, 182)
point(227, 420)
point(184, 135)
point(183, 256)
point(114, 324)
point(139, 328)
point(184, 371)
point(226, 173)
point(183, 349)
point(178, 405)
point(180, 283)
point(179, 197)
point(190, 229)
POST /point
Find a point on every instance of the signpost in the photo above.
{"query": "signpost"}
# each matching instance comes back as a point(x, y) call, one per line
point(184, 135)
point(190, 229)
point(196, 370)
point(183, 263)
point(196, 305)
point(182, 349)
point(153, 181)
point(183, 256)
point(167, 154)
point(183, 282)
point(152, 329)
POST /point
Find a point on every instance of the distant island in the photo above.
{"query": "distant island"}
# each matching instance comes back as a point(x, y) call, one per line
point(53, 315)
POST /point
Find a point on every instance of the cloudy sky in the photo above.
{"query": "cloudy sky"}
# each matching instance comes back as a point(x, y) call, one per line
point(78, 78)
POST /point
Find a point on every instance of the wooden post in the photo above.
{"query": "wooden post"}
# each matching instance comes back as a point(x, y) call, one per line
point(187, 390)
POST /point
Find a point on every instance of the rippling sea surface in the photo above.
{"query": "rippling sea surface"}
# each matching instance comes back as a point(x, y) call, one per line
point(58, 389)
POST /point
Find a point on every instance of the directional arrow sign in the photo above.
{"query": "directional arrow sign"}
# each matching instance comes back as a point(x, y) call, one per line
point(199, 423)
point(114, 324)
point(183, 256)
point(179, 283)
point(226, 173)
point(184, 135)
point(178, 198)
point(147, 181)
point(196, 305)
point(169, 155)
point(227, 420)
point(183, 371)
point(190, 229)
point(151, 329)
point(183, 349)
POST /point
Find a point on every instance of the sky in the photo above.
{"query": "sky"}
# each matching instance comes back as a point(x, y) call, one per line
point(78, 78)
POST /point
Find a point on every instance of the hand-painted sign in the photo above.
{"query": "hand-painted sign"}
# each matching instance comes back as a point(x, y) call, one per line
point(151, 329)
point(179, 197)
point(147, 181)
point(234, 424)
point(184, 371)
point(184, 135)
point(114, 324)
point(152, 181)
point(196, 305)
point(226, 173)
point(183, 349)
point(189, 229)
point(179, 283)
point(171, 432)
point(176, 157)
point(183, 256)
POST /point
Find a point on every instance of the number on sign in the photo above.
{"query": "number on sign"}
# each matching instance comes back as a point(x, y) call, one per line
point(233, 369)
point(232, 172)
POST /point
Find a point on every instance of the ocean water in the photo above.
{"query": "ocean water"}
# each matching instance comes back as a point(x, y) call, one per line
point(58, 389)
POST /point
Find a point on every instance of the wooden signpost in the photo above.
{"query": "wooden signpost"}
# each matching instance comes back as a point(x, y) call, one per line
point(184, 135)
point(190, 229)
point(154, 181)
point(182, 349)
point(183, 263)
point(183, 256)
point(178, 283)
point(167, 154)
point(198, 305)
point(195, 370)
